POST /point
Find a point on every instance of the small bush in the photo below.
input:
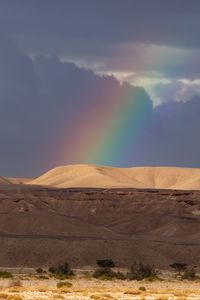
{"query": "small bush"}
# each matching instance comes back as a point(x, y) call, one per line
point(189, 274)
point(5, 274)
point(105, 263)
point(120, 275)
point(64, 284)
point(179, 267)
point(142, 288)
point(62, 271)
point(40, 271)
point(141, 271)
point(52, 270)
point(108, 274)
point(104, 274)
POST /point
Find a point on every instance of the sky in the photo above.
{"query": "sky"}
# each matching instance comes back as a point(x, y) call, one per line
point(111, 82)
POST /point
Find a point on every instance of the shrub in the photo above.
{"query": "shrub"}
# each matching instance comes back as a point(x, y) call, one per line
point(40, 271)
point(189, 274)
point(52, 270)
point(120, 275)
point(64, 269)
point(105, 263)
point(179, 267)
point(5, 274)
point(108, 274)
point(104, 274)
point(64, 284)
point(142, 288)
point(61, 271)
point(141, 271)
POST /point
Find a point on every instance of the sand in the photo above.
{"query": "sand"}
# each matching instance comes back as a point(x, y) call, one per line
point(109, 177)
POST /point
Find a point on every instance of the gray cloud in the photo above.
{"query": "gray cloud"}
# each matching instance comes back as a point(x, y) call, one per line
point(173, 22)
point(41, 101)
point(172, 138)
point(146, 38)
point(42, 98)
point(175, 90)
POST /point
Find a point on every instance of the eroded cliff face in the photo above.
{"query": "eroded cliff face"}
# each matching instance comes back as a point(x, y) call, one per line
point(41, 226)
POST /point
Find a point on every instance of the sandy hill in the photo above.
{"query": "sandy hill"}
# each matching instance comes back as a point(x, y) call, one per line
point(109, 177)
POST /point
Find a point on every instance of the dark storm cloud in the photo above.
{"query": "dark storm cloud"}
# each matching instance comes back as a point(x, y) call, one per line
point(42, 98)
point(109, 35)
point(40, 101)
point(172, 138)
point(93, 27)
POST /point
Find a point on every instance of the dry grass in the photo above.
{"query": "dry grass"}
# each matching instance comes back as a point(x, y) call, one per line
point(14, 297)
point(93, 289)
point(3, 296)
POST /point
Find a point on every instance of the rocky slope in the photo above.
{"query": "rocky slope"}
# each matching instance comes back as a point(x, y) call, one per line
point(45, 226)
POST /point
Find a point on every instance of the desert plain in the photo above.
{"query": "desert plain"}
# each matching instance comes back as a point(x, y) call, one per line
point(81, 213)
point(30, 286)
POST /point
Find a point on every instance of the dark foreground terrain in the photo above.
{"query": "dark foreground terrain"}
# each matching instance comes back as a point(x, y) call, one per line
point(43, 227)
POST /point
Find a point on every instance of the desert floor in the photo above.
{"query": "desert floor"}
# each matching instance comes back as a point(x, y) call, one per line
point(30, 286)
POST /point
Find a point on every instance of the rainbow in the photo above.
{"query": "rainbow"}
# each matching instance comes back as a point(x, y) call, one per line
point(105, 134)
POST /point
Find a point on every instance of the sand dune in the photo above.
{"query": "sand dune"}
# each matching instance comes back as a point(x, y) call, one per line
point(109, 177)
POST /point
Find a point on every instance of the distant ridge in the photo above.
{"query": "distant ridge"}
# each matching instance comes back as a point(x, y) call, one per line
point(84, 175)
point(13, 180)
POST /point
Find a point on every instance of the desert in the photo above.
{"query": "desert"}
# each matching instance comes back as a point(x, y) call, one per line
point(94, 176)
point(82, 213)
point(49, 220)
point(99, 150)
point(27, 284)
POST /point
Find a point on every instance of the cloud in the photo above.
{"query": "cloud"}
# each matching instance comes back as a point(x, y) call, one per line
point(172, 137)
point(173, 22)
point(154, 60)
point(146, 39)
point(165, 72)
point(173, 90)
point(43, 101)
point(97, 31)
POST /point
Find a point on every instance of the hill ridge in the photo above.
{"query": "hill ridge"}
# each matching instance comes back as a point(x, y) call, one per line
point(91, 175)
